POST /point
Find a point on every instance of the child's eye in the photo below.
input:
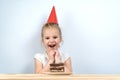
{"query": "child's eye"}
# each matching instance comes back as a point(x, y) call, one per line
point(55, 37)
point(47, 38)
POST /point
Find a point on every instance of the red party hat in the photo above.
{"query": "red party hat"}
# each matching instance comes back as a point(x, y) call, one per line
point(52, 18)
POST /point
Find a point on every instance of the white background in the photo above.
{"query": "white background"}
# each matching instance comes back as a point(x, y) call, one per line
point(91, 34)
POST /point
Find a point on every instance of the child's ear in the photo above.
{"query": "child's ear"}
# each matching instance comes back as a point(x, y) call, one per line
point(61, 40)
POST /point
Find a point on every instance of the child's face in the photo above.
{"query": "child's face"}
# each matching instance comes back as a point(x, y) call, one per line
point(51, 38)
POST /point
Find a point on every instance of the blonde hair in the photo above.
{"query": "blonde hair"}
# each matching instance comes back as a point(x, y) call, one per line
point(51, 25)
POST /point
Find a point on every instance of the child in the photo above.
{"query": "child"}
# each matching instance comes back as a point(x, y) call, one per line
point(51, 37)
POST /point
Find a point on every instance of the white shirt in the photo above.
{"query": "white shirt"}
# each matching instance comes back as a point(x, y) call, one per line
point(43, 57)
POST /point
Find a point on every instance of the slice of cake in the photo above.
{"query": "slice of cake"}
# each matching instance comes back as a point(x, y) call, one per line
point(57, 67)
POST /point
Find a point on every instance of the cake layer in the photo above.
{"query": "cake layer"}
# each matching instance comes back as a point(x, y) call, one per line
point(57, 67)
point(61, 69)
point(57, 64)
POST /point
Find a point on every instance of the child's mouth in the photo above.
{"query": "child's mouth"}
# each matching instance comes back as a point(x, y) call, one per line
point(52, 45)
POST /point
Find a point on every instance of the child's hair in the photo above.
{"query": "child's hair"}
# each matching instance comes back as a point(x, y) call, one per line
point(51, 25)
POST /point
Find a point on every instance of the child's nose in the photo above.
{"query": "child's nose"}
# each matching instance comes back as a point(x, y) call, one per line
point(51, 40)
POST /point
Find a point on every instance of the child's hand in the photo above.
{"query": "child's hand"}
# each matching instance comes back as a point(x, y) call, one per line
point(57, 57)
point(51, 55)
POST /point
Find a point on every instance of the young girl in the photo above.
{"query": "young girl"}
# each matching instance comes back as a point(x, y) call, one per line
point(51, 38)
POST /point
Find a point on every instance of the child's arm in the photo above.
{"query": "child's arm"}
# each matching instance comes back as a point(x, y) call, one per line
point(67, 65)
point(39, 67)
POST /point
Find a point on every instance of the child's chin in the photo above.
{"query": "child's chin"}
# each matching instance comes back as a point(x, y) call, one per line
point(53, 48)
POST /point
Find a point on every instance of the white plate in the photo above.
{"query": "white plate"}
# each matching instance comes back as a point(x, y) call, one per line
point(58, 73)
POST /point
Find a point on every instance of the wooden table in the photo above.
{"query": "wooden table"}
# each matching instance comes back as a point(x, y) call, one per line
point(58, 77)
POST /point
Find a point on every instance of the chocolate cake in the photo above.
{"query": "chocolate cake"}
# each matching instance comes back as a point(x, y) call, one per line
point(57, 67)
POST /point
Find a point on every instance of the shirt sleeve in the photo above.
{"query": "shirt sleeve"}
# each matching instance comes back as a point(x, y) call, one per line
point(64, 57)
point(38, 57)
